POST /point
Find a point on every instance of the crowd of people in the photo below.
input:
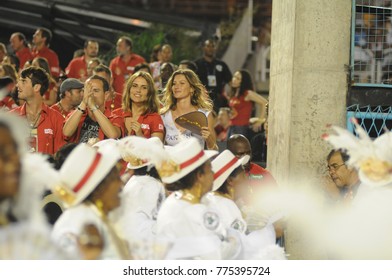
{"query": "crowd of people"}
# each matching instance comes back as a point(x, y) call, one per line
point(128, 156)
point(137, 160)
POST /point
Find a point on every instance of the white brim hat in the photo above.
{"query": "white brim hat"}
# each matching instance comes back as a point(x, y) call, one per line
point(223, 165)
point(139, 151)
point(83, 171)
point(185, 157)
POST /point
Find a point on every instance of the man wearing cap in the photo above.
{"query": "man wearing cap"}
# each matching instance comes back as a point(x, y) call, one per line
point(92, 120)
point(71, 94)
point(45, 123)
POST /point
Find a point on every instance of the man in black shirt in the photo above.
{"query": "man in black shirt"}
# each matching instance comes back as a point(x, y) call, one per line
point(214, 74)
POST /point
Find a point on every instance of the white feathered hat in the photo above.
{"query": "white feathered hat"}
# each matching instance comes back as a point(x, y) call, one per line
point(373, 159)
point(139, 152)
point(184, 157)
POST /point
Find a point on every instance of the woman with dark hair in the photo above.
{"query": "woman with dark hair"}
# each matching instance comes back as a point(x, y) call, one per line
point(242, 99)
point(140, 107)
point(184, 93)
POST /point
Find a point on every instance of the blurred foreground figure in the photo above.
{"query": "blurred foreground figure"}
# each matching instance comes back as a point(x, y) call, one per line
point(364, 231)
point(24, 233)
point(90, 186)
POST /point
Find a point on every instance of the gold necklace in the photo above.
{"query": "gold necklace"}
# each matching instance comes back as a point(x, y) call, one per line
point(34, 122)
point(192, 195)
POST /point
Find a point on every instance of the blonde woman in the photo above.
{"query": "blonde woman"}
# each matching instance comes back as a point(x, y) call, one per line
point(184, 93)
point(140, 107)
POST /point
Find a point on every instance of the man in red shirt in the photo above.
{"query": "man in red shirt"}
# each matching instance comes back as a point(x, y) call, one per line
point(123, 65)
point(71, 94)
point(91, 121)
point(77, 68)
point(113, 100)
point(239, 145)
point(41, 41)
point(19, 45)
point(45, 123)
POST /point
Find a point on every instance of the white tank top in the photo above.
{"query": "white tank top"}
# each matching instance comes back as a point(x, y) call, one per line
point(173, 135)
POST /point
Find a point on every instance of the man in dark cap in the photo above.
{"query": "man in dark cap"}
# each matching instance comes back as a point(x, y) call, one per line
point(71, 94)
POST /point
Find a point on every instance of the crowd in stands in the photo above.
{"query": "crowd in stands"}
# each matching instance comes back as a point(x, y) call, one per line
point(155, 126)
point(138, 159)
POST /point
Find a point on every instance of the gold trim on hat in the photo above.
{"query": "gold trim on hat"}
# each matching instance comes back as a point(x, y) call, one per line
point(168, 168)
point(65, 194)
point(134, 161)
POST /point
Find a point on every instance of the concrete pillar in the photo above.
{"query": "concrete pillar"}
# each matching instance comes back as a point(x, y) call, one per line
point(308, 86)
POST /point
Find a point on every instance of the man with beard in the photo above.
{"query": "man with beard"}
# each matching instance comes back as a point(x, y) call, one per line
point(123, 65)
point(345, 177)
point(45, 123)
point(77, 67)
point(71, 94)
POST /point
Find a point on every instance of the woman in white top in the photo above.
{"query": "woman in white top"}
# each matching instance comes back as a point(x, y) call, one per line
point(194, 229)
point(184, 93)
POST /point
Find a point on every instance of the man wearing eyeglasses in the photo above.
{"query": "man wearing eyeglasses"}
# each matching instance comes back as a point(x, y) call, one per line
point(345, 177)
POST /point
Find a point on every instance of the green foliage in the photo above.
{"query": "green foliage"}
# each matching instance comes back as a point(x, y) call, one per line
point(184, 46)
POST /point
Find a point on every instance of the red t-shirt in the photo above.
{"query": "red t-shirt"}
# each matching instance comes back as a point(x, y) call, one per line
point(259, 180)
point(150, 123)
point(114, 103)
point(49, 129)
point(121, 70)
point(241, 110)
point(60, 109)
point(77, 68)
point(52, 59)
point(115, 120)
point(221, 132)
point(8, 103)
point(258, 176)
point(24, 55)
